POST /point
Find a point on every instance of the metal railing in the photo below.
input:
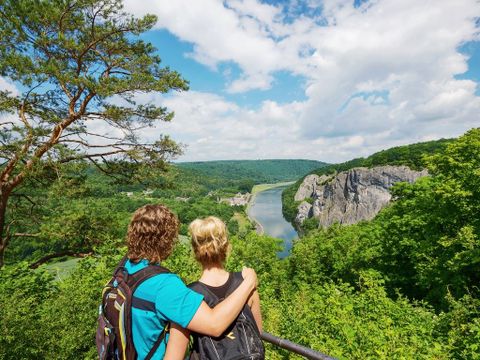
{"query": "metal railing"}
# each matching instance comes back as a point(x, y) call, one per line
point(295, 348)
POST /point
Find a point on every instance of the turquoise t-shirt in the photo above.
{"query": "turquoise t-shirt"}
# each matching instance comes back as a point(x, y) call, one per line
point(173, 302)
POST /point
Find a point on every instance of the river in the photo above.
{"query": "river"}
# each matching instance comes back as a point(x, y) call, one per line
point(266, 209)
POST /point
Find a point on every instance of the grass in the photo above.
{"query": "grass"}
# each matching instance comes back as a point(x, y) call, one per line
point(262, 187)
point(184, 239)
point(61, 268)
point(243, 222)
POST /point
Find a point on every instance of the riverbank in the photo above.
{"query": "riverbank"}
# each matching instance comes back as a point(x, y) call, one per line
point(256, 190)
point(262, 187)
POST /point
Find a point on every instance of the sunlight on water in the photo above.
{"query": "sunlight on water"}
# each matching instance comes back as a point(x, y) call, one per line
point(267, 210)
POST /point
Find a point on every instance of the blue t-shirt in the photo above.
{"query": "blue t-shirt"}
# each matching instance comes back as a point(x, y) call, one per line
point(173, 302)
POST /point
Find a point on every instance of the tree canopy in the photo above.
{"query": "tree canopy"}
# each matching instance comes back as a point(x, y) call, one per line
point(78, 67)
point(403, 285)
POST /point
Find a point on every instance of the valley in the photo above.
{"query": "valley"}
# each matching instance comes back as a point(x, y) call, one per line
point(350, 285)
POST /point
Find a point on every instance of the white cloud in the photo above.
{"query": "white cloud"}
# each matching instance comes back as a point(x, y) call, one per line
point(214, 128)
point(240, 32)
point(6, 85)
point(8, 119)
point(377, 76)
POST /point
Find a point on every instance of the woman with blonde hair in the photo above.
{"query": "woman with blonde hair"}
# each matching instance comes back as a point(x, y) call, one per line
point(242, 338)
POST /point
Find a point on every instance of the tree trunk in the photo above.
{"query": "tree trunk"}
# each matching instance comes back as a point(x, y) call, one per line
point(2, 255)
point(4, 236)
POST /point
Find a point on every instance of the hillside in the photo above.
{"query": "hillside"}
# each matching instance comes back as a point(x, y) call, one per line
point(259, 171)
point(407, 155)
point(403, 285)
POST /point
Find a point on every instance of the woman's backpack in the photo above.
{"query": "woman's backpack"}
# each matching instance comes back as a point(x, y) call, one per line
point(114, 330)
point(240, 341)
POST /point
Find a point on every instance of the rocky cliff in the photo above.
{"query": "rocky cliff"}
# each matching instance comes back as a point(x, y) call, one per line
point(350, 196)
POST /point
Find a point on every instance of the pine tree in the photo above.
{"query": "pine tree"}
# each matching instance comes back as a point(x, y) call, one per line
point(78, 66)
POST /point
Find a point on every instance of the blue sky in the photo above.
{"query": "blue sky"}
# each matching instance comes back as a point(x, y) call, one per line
point(329, 80)
point(287, 87)
point(472, 50)
point(318, 79)
point(174, 52)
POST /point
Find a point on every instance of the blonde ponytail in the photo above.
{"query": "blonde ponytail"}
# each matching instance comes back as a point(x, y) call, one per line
point(209, 240)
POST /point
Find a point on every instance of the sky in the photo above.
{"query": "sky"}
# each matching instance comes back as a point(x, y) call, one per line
point(316, 79)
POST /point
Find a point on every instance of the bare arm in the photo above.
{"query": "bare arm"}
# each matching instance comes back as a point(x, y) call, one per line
point(177, 343)
point(254, 303)
point(214, 321)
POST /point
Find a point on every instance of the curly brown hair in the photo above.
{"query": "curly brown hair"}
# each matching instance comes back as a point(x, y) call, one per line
point(152, 233)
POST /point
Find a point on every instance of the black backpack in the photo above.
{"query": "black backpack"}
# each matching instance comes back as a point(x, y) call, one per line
point(114, 331)
point(240, 341)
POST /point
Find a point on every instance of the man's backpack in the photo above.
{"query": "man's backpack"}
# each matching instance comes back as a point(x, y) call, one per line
point(240, 341)
point(114, 331)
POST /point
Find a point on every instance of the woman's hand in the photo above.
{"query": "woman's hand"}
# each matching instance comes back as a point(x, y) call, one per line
point(250, 276)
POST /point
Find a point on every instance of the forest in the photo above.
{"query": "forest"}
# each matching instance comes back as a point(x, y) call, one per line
point(74, 167)
point(263, 171)
point(404, 285)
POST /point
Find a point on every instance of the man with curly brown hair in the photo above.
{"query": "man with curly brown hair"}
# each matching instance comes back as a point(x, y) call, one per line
point(151, 237)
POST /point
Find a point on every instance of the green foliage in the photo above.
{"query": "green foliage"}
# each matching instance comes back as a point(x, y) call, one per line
point(43, 319)
point(22, 292)
point(334, 318)
point(347, 324)
point(289, 205)
point(432, 231)
point(75, 302)
point(426, 243)
point(309, 225)
point(71, 222)
point(461, 326)
point(233, 226)
point(258, 252)
point(82, 210)
point(336, 253)
point(402, 286)
point(69, 60)
point(260, 171)
point(200, 208)
point(412, 156)
point(185, 182)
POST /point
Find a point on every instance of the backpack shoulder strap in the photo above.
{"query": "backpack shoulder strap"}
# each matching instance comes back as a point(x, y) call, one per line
point(158, 342)
point(135, 279)
point(210, 298)
point(237, 279)
point(123, 261)
point(121, 266)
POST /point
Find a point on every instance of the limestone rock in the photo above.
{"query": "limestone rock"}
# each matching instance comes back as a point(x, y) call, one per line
point(304, 212)
point(309, 186)
point(353, 195)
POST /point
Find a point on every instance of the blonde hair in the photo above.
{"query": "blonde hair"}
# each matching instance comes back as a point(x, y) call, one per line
point(209, 240)
point(152, 233)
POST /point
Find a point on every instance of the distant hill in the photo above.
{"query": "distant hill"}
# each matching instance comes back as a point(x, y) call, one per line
point(259, 171)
